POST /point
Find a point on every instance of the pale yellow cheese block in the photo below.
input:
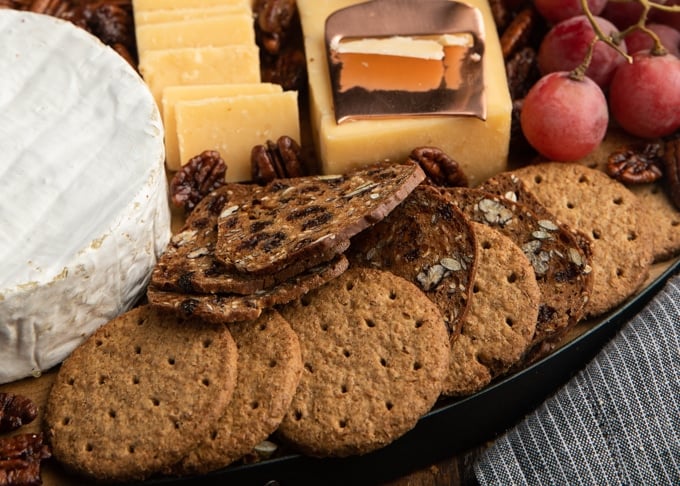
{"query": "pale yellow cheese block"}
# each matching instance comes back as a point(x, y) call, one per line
point(212, 31)
point(174, 94)
point(481, 147)
point(140, 5)
point(200, 65)
point(234, 125)
point(145, 17)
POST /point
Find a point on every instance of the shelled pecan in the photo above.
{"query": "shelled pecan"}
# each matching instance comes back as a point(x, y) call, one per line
point(15, 411)
point(273, 21)
point(440, 169)
point(288, 68)
point(276, 160)
point(20, 459)
point(518, 33)
point(640, 164)
point(199, 177)
point(500, 13)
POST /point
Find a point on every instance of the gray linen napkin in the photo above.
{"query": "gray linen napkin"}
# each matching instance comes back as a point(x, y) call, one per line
point(616, 422)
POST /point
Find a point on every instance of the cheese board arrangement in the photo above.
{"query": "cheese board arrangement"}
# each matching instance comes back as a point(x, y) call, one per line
point(304, 241)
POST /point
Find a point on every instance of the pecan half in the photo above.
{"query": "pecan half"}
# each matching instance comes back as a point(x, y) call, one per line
point(15, 411)
point(277, 160)
point(20, 458)
point(671, 161)
point(273, 20)
point(518, 32)
point(440, 169)
point(198, 178)
point(288, 68)
point(637, 164)
point(500, 14)
point(112, 23)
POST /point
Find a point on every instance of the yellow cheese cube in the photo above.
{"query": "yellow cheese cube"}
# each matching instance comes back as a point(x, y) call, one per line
point(174, 94)
point(200, 65)
point(215, 31)
point(142, 5)
point(481, 147)
point(178, 14)
point(234, 125)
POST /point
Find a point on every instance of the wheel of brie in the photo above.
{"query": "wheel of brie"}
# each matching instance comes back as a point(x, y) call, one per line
point(83, 191)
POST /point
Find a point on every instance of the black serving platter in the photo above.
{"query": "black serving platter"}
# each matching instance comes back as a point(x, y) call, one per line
point(452, 426)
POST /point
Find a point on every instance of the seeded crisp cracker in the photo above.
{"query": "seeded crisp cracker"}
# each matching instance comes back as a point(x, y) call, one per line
point(560, 265)
point(289, 220)
point(610, 216)
point(189, 266)
point(429, 242)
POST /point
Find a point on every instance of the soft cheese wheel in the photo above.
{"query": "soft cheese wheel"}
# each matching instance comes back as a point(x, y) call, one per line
point(83, 206)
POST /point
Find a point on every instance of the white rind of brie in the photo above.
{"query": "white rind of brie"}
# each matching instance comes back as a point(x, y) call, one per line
point(83, 192)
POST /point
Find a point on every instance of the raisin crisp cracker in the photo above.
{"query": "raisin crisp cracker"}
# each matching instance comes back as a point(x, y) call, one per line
point(289, 220)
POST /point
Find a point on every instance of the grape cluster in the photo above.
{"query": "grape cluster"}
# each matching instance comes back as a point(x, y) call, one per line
point(616, 59)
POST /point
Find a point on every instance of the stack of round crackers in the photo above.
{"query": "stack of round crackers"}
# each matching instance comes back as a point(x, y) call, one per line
point(340, 349)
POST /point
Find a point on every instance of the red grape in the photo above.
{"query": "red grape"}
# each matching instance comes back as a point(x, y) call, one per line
point(622, 14)
point(669, 18)
point(565, 47)
point(641, 41)
point(563, 118)
point(644, 95)
point(555, 11)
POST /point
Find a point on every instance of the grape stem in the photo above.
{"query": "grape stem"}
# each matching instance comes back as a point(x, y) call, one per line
point(607, 39)
point(614, 41)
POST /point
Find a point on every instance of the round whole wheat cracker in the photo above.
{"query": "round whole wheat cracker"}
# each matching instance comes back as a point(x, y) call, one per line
point(139, 394)
point(429, 242)
point(608, 213)
point(269, 368)
point(227, 308)
point(375, 351)
point(289, 220)
point(501, 318)
point(560, 265)
point(188, 264)
point(662, 219)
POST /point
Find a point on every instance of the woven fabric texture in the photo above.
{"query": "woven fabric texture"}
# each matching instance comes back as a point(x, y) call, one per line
point(616, 422)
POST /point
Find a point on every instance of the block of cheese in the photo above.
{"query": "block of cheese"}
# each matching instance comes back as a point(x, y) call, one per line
point(200, 65)
point(212, 31)
point(83, 209)
point(178, 14)
point(481, 147)
point(143, 5)
point(174, 94)
point(234, 125)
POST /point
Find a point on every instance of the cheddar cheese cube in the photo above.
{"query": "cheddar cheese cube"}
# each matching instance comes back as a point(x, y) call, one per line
point(201, 65)
point(175, 94)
